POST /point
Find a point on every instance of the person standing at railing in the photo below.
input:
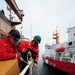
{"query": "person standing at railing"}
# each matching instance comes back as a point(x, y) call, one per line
point(8, 46)
point(32, 49)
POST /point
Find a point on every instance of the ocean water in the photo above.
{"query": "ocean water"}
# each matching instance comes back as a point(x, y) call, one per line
point(45, 69)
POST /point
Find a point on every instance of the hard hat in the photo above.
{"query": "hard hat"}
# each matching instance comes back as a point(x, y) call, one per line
point(15, 34)
point(37, 39)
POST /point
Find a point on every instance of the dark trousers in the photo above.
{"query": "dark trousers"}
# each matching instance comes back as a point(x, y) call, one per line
point(22, 65)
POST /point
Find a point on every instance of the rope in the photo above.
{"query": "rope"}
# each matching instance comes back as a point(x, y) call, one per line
point(25, 61)
point(30, 59)
point(36, 70)
point(25, 69)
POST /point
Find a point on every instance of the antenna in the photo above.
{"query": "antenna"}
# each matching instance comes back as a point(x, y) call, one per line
point(31, 31)
point(70, 25)
point(56, 37)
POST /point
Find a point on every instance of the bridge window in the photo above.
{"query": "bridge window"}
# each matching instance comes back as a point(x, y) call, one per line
point(70, 43)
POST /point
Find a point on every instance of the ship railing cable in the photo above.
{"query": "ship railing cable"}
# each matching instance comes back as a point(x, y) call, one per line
point(28, 62)
point(30, 65)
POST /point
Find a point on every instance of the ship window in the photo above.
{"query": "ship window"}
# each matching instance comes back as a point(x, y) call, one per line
point(59, 54)
point(70, 43)
point(49, 48)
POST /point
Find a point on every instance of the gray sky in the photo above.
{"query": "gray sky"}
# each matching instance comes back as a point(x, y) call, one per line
point(43, 16)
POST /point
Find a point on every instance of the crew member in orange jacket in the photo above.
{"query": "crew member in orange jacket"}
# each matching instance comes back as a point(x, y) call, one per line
point(31, 47)
point(8, 46)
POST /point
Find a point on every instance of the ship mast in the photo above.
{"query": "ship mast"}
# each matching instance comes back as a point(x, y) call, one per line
point(56, 37)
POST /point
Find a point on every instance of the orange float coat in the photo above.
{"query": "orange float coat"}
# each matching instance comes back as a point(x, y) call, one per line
point(60, 49)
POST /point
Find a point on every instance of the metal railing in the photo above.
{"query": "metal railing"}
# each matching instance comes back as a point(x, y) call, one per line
point(30, 65)
point(26, 68)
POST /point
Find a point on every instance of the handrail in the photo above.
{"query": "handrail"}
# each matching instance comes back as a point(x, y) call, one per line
point(26, 68)
point(30, 65)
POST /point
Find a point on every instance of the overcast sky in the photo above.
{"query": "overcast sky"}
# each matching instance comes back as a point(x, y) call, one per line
point(43, 16)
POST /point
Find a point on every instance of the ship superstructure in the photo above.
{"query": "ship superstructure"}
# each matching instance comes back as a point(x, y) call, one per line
point(62, 55)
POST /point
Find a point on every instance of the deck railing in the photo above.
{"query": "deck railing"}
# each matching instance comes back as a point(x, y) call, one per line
point(30, 65)
point(26, 68)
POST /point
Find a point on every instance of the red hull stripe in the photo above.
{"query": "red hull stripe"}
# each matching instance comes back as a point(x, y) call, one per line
point(64, 66)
